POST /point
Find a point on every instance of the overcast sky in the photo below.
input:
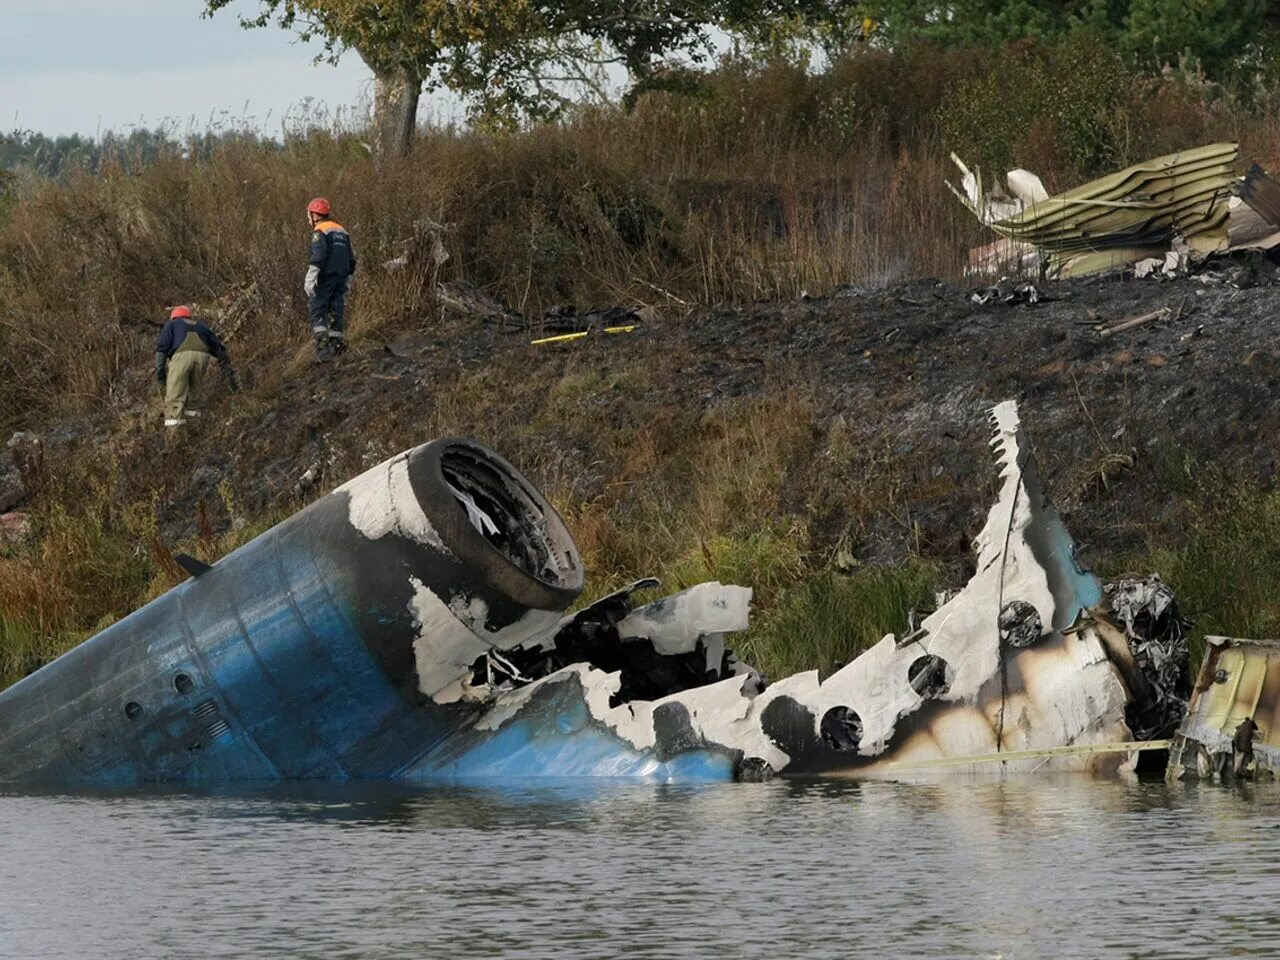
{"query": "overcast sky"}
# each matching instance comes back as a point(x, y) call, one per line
point(86, 66)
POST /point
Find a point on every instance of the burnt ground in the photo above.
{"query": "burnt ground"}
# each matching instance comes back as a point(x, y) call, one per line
point(1123, 426)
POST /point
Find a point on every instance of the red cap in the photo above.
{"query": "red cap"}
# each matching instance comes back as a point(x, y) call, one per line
point(177, 312)
point(319, 205)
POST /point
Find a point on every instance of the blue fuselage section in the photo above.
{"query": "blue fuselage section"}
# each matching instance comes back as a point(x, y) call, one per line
point(256, 669)
point(293, 658)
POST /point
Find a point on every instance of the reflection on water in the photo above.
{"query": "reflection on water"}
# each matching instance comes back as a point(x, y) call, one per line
point(1029, 867)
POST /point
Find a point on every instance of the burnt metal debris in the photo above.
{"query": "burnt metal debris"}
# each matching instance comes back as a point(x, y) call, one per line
point(411, 625)
point(1159, 218)
point(1232, 727)
point(969, 683)
point(1157, 634)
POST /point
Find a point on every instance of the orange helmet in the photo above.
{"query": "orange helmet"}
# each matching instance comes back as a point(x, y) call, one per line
point(177, 312)
point(319, 205)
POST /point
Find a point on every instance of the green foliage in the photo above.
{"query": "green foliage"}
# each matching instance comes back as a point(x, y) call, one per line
point(47, 156)
point(1219, 35)
point(827, 619)
point(1215, 33)
point(25, 647)
point(32, 155)
point(516, 57)
point(1226, 569)
point(1040, 106)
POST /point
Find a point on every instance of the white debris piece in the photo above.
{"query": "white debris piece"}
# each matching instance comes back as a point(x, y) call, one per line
point(382, 501)
point(675, 624)
point(479, 519)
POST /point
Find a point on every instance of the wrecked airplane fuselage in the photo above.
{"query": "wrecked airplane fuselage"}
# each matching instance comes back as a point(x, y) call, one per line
point(1024, 658)
point(328, 647)
point(409, 626)
point(1232, 728)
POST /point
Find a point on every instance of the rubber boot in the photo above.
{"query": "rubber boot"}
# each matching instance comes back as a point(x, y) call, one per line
point(324, 348)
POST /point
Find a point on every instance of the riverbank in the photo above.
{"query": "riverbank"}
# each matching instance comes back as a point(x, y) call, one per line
point(767, 422)
point(829, 452)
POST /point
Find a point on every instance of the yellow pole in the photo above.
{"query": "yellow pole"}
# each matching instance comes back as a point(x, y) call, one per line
point(579, 335)
point(1125, 747)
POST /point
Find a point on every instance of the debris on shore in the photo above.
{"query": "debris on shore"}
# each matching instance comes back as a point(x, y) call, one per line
point(1230, 730)
point(409, 625)
point(1157, 218)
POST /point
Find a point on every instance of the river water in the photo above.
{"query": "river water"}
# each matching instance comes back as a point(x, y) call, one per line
point(1029, 867)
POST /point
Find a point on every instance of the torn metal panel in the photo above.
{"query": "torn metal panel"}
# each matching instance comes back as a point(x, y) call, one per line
point(1119, 219)
point(410, 625)
point(1011, 663)
point(671, 645)
point(1255, 213)
point(1262, 195)
point(699, 617)
point(1249, 230)
point(1232, 727)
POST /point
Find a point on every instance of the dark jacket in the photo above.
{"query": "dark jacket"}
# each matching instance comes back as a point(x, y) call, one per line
point(176, 330)
point(331, 251)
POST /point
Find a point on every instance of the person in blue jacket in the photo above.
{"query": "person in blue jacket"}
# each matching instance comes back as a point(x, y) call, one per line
point(333, 261)
point(183, 352)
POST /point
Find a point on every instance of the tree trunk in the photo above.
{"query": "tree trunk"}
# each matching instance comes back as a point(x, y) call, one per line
point(395, 112)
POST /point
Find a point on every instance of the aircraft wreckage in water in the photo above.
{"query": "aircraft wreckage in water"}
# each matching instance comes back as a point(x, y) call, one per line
point(409, 625)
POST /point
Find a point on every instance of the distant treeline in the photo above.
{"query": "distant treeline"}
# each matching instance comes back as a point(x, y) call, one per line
point(27, 152)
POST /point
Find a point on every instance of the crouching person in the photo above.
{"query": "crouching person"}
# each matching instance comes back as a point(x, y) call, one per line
point(183, 353)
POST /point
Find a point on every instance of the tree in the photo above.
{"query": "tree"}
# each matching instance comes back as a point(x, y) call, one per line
point(1217, 33)
point(506, 57)
point(401, 41)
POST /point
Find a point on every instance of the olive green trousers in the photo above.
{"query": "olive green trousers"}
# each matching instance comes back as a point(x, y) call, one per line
point(184, 386)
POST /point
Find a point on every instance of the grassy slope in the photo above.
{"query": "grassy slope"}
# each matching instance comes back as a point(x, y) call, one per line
point(767, 185)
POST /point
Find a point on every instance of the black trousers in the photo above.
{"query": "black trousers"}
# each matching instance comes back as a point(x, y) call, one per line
point(327, 308)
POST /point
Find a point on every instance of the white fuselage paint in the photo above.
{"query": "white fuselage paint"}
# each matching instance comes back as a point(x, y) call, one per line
point(450, 636)
point(382, 501)
point(1067, 692)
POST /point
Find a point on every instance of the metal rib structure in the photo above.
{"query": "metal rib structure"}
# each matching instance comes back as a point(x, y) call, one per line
point(1123, 217)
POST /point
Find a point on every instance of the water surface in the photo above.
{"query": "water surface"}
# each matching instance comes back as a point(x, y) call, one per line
point(1027, 867)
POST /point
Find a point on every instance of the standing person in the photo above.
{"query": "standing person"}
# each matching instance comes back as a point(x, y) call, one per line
point(333, 261)
point(183, 351)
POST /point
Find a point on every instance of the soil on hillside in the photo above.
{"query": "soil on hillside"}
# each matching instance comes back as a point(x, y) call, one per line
point(909, 371)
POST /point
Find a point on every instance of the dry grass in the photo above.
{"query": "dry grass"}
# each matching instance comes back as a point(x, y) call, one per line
point(764, 183)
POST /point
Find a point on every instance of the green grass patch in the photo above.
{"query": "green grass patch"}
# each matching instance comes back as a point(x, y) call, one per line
point(25, 648)
point(1226, 571)
point(827, 619)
